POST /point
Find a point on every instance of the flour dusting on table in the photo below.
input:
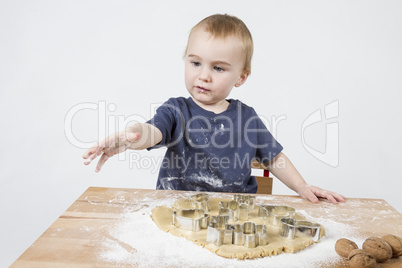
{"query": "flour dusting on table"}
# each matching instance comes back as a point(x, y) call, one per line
point(137, 240)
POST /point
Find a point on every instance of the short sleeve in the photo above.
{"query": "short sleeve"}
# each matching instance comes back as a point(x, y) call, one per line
point(164, 120)
point(169, 120)
point(268, 147)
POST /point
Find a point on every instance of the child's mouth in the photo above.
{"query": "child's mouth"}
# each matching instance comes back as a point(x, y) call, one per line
point(202, 90)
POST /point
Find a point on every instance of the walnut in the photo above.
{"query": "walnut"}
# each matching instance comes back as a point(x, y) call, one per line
point(359, 258)
point(377, 247)
point(396, 244)
point(344, 246)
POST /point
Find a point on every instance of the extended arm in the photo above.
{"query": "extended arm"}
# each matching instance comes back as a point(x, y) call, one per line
point(137, 137)
point(284, 170)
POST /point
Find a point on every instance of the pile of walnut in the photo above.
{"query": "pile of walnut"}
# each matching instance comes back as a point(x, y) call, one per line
point(374, 250)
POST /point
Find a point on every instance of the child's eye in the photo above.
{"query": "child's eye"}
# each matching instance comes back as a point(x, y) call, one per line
point(195, 63)
point(219, 69)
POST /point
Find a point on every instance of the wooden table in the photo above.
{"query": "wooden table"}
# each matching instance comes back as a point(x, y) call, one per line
point(75, 238)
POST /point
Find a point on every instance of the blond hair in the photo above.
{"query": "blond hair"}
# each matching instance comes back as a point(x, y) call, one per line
point(223, 26)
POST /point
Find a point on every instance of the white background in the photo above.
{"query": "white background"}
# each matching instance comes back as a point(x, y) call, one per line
point(127, 55)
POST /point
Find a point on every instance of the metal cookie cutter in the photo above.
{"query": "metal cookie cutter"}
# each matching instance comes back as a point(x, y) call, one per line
point(291, 227)
point(247, 199)
point(276, 213)
point(235, 210)
point(200, 201)
point(250, 235)
point(190, 219)
point(231, 208)
point(219, 232)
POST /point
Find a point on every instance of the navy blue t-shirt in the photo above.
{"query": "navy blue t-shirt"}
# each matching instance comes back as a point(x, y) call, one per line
point(208, 151)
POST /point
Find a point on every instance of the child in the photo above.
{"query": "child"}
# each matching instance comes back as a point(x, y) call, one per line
point(211, 141)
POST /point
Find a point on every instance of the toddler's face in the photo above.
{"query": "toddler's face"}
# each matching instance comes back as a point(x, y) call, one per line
point(213, 67)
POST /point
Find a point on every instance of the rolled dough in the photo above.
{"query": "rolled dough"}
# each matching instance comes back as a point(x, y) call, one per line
point(162, 216)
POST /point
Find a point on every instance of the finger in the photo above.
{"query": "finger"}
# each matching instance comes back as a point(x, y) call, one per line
point(328, 195)
point(309, 194)
point(89, 152)
point(312, 198)
point(108, 154)
point(331, 198)
point(105, 145)
point(338, 197)
point(93, 152)
point(113, 151)
point(98, 148)
point(88, 156)
point(101, 162)
point(98, 151)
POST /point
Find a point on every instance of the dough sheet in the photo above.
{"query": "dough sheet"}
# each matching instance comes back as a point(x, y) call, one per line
point(163, 217)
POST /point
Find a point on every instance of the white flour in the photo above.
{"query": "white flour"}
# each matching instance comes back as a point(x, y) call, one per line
point(137, 240)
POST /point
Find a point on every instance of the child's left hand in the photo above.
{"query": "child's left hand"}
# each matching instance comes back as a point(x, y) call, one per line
point(312, 193)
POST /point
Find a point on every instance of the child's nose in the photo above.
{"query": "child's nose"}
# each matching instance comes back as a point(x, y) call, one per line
point(205, 75)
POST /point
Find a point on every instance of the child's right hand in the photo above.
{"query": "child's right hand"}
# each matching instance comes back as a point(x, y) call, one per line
point(111, 145)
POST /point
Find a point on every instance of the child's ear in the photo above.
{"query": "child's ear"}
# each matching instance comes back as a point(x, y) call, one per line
point(242, 79)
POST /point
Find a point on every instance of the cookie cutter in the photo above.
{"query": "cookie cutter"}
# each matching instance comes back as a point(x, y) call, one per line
point(291, 228)
point(275, 213)
point(247, 199)
point(238, 208)
point(200, 201)
point(250, 235)
point(230, 208)
point(236, 211)
point(191, 219)
point(219, 231)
